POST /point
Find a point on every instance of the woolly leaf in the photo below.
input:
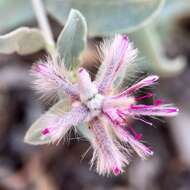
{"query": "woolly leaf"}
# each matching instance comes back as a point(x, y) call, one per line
point(22, 41)
point(169, 20)
point(72, 40)
point(14, 14)
point(107, 17)
point(34, 134)
point(149, 45)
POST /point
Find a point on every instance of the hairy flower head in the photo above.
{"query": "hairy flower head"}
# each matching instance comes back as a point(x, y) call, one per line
point(98, 106)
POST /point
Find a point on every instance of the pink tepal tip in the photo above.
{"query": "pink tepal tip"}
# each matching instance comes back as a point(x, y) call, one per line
point(150, 79)
point(116, 171)
point(80, 70)
point(39, 67)
point(45, 131)
point(153, 78)
point(125, 37)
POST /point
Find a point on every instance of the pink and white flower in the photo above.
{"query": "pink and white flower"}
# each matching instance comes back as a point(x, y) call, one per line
point(97, 104)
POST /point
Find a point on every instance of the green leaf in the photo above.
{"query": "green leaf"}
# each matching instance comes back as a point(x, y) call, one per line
point(72, 40)
point(171, 14)
point(14, 14)
point(34, 134)
point(22, 41)
point(108, 17)
point(149, 45)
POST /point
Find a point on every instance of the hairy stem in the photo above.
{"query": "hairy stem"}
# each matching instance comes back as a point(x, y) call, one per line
point(44, 25)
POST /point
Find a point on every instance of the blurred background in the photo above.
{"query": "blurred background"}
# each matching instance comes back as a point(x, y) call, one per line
point(161, 31)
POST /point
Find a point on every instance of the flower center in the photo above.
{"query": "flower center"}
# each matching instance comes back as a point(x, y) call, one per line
point(95, 103)
point(89, 94)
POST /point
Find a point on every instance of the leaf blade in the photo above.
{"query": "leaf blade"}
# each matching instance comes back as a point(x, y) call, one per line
point(34, 134)
point(23, 41)
point(72, 40)
point(108, 17)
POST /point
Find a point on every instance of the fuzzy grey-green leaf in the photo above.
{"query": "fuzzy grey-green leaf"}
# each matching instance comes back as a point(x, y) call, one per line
point(15, 13)
point(149, 45)
point(22, 41)
point(108, 17)
point(72, 40)
point(34, 134)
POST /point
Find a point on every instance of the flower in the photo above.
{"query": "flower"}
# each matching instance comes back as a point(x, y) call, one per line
point(97, 106)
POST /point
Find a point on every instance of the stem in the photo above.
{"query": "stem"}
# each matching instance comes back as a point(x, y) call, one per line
point(44, 25)
point(149, 44)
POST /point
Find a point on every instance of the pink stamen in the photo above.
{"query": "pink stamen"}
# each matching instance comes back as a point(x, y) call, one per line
point(144, 121)
point(45, 131)
point(149, 95)
point(158, 102)
point(39, 67)
point(137, 136)
point(122, 116)
point(142, 150)
point(139, 107)
point(172, 110)
point(119, 120)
